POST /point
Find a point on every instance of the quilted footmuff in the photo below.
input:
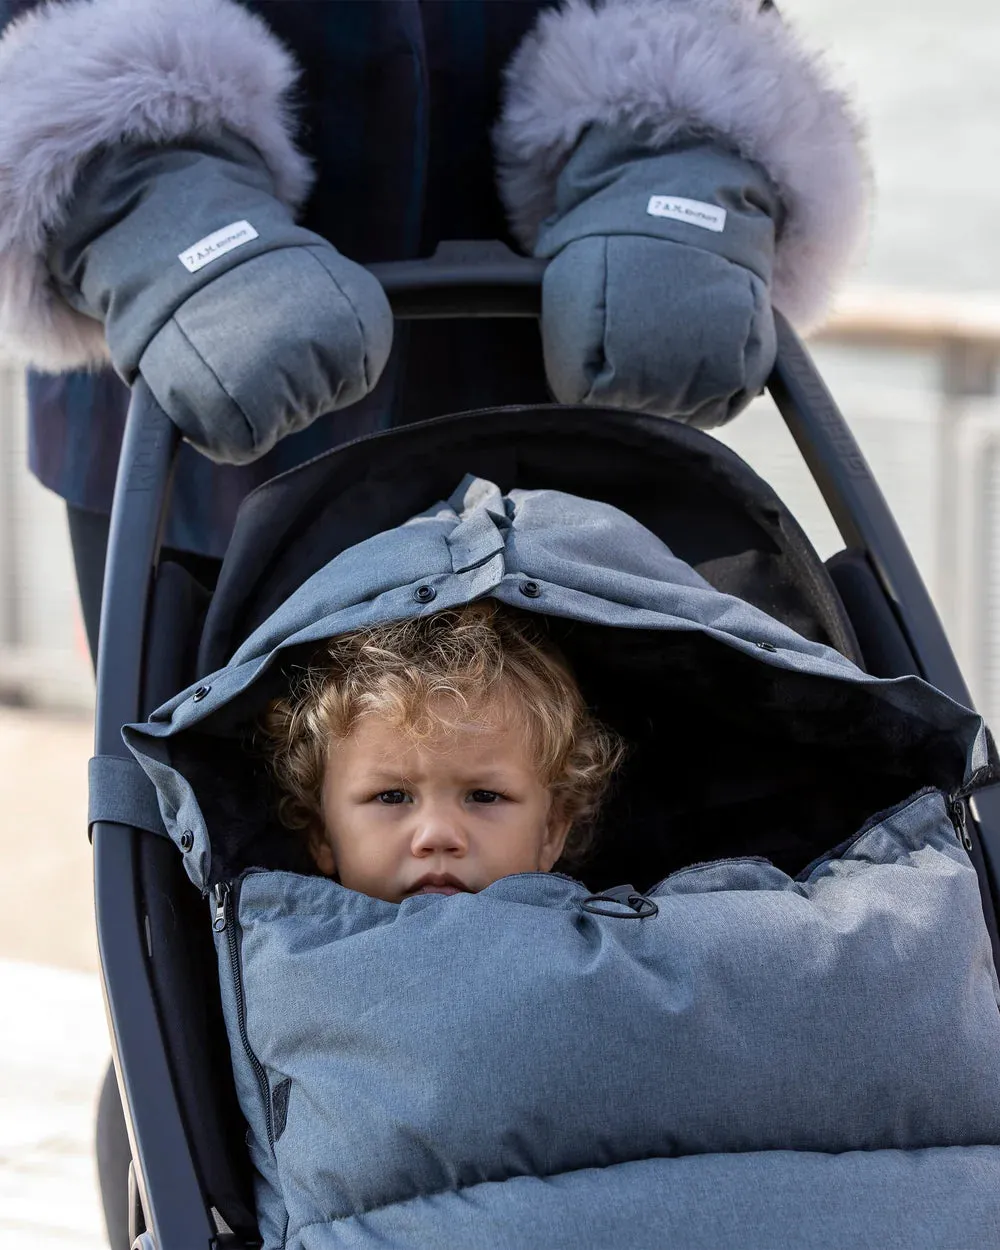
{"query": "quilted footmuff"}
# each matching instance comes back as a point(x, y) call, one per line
point(763, 1061)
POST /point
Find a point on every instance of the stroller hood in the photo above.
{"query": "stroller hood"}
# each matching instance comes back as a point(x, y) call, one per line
point(760, 722)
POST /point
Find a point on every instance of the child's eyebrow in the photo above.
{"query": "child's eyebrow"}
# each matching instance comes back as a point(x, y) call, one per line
point(386, 772)
point(382, 773)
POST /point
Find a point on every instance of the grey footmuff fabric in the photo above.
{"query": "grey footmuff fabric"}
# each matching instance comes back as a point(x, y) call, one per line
point(514, 1034)
point(148, 184)
point(756, 1059)
point(686, 165)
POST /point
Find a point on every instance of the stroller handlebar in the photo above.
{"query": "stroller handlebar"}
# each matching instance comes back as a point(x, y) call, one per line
point(474, 278)
point(142, 491)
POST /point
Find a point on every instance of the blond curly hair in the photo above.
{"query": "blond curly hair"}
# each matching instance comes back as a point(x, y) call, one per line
point(437, 673)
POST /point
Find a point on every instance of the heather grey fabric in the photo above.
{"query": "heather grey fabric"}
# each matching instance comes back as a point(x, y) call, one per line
point(657, 296)
point(767, 1060)
point(441, 1044)
point(262, 337)
point(892, 1200)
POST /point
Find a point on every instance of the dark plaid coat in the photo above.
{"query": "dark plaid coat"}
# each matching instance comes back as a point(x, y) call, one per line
point(398, 100)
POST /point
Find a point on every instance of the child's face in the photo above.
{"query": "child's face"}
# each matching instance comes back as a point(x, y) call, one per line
point(452, 814)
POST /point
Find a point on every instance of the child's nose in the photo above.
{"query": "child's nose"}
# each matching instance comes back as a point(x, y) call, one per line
point(439, 831)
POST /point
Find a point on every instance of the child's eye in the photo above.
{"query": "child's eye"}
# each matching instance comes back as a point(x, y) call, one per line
point(485, 796)
point(391, 796)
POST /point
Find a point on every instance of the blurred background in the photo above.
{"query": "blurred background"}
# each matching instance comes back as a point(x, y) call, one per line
point(910, 354)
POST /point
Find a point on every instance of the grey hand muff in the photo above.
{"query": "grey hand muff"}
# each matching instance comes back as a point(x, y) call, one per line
point(246, 326)
point(657, 294)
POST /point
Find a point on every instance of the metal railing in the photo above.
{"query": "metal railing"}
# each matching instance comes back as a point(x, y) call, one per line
point(962, 335)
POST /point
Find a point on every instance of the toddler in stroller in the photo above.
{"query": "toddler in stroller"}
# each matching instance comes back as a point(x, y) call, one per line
point(734, 1049)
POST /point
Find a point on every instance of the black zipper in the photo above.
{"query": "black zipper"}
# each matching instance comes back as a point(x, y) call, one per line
point(957, 803)
point(959, 820)
point(225, 922)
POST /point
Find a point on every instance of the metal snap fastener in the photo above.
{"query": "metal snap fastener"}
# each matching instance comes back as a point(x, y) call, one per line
point(424, 594)
point(187, 840)
point(530, 590)
point(200, 693)
point(767, 646)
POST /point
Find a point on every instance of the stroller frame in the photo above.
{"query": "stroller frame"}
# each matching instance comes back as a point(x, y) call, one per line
point(169, 1208)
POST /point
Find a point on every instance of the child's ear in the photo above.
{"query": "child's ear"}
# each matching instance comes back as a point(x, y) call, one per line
point(322, 853)
point(557, 828)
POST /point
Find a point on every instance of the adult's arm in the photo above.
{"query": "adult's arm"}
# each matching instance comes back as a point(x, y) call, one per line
point(149, 181)
point(686, 165)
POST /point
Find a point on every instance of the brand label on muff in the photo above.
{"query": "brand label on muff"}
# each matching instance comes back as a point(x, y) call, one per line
point(217, 244)
point(694, 212)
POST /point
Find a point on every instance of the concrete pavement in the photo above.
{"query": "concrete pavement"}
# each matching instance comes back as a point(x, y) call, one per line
point(53, 1035)
point(53, 1051)
point(46, 912)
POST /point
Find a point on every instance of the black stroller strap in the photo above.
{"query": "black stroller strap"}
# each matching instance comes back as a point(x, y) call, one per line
point(122, 794)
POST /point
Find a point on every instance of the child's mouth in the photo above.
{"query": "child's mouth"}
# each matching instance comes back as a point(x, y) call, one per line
point(438, 883)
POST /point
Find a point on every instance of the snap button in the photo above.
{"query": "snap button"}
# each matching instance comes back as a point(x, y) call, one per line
point(200, 693)
point(530, 590)
point(187, 840)
point(424, 594)
point(767, 646)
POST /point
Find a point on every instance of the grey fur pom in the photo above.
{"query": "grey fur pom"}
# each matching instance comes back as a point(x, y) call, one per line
point(722, 67)
point(80, 75)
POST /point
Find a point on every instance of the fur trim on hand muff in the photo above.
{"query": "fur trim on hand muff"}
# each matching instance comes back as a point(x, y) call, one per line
point(79, 76)
point(720, 67)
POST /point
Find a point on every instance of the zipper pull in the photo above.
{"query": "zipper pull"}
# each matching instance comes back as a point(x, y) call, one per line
point(221, 905)
point(961, 828)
